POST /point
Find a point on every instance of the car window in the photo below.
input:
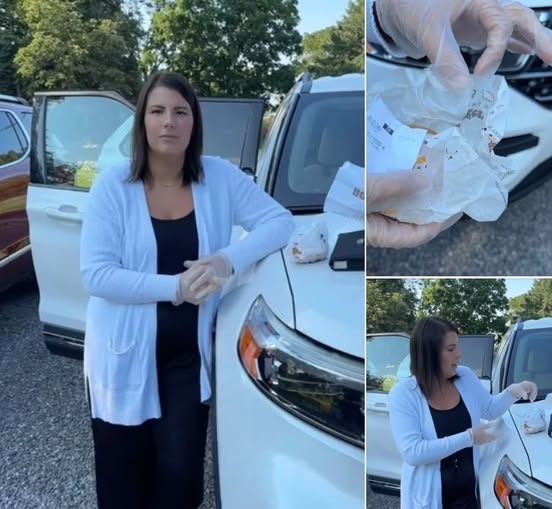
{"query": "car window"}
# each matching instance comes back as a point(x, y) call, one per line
point(26, 118)
point(531, 359)
point(13, 142)
point(326, 131)
point(80, 130)
point(387, 361)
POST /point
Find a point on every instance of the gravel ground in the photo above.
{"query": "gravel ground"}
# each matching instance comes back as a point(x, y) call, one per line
point(45, 440)
point(518, 243)
point(374, 501)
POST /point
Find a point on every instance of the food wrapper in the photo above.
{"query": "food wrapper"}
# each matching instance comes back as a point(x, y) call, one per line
point(346, 194)
point(415, 124)
point(309, 243)
point(534, 421)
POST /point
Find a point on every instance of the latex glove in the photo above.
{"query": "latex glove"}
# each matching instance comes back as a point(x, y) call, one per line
point(214, 271)
point(192, 288)
point(436, 29)
point(482, 434)
point(524, 390)
point(382, 231)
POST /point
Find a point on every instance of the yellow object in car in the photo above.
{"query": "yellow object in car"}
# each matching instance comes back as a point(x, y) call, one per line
point(84, 175)
point(388, 383)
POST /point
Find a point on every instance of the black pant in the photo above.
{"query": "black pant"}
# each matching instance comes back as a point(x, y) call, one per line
point(158, 464)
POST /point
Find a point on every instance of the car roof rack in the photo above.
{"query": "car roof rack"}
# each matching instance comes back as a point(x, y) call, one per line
point(306, 80)
point(13, 99)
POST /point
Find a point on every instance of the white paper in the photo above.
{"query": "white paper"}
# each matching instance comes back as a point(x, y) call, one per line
point(391, 145)
point(346, 194)
point(465, 175)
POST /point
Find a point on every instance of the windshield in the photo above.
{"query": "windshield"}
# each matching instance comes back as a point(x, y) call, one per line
point(531, 359)
point(387, 362)
point(327, 130)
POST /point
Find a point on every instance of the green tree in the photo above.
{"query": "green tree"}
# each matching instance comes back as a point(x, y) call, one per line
point(390, 306)
point(338, 49)
point(536, 303)
point(476, 306)
point(77, 44)
point(226, 47)
point(13, 35)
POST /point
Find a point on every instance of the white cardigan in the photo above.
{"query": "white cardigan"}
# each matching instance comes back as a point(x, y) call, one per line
point(119, 271)
point(414, 433)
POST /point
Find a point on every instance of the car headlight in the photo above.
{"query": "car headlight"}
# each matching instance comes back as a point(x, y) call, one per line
point(322, 387)
point(526, 73)
point(516, 490)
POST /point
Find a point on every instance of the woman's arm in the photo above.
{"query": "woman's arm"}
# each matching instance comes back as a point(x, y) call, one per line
point(375, 34)
point(269, 224)
point(492, 407)
point(102, 272)
point(406, 427)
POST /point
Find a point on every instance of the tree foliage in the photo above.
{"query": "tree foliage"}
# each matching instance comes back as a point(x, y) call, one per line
point(79, 44)
point(226, 47)
point(338, 49)
point(390, 306)
point(536, 303)
point(476, 306)
point(13, 35)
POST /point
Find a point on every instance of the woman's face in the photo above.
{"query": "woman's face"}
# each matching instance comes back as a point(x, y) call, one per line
point(450, 354)
point(169, 121)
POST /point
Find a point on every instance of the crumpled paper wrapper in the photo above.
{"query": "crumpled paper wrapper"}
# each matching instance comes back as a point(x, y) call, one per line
point(309, 243)
point(457, 153)
point(534, 421)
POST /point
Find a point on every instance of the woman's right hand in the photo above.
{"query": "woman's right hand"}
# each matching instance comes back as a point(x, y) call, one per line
point(482, 434)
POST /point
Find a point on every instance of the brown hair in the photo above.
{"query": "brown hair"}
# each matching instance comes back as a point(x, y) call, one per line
point(193, 169)
point(426, 343)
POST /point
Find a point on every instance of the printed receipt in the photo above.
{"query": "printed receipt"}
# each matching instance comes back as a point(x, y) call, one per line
point(391, 145)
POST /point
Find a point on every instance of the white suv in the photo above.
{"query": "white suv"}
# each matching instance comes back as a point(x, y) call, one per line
point(289, 388)
point(515, 471)
point(528, 138)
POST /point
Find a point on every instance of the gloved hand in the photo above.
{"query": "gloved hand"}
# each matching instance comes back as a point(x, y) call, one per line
point(524, 390)
point(191, 287)
point(214, 270)
point(436, 28)
point(382, 231)
point(481, 434)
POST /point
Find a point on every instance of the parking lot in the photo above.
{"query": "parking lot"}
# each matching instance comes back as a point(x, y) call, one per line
point(518, 244)
point(45, 441)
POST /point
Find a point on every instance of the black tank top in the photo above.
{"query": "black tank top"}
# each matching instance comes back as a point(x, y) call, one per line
point(177, 242)
point(457, 472)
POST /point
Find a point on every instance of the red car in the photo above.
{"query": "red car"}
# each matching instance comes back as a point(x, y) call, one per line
point(15, 147)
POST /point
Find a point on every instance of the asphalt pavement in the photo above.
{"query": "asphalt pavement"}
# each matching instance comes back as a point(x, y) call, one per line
point(46, 455)
point(374, 501)
point(519, 243)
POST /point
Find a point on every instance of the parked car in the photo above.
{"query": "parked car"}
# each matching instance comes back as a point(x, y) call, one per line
point(515, 471)
point(15, 252)
point(528, 139)
point(289, 388)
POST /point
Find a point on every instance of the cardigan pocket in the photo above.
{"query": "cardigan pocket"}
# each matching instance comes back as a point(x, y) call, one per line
point(123, 369)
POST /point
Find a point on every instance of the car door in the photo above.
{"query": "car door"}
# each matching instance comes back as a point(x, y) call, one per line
point(387, 363)
point(14, 178)
point(74, 136)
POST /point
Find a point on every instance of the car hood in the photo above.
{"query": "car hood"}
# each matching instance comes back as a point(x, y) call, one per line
point(537, 445)
point(329, 305)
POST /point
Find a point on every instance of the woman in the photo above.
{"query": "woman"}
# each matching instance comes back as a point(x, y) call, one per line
point(154, 254)
point(435, 420)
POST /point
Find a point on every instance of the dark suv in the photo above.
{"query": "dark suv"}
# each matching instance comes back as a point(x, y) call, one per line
point(15, 250)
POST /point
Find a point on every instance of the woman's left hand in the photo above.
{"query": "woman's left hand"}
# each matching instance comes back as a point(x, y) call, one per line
point(216, 269)
point(524, 390)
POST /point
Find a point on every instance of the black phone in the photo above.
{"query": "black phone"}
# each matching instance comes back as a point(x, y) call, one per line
point(550, 427)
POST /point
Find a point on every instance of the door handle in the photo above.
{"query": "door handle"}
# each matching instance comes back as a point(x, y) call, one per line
point(67, 213)
point(379, 407)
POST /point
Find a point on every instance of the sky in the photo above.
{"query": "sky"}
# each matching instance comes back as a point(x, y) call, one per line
point(517, 286)
point(318, 14)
